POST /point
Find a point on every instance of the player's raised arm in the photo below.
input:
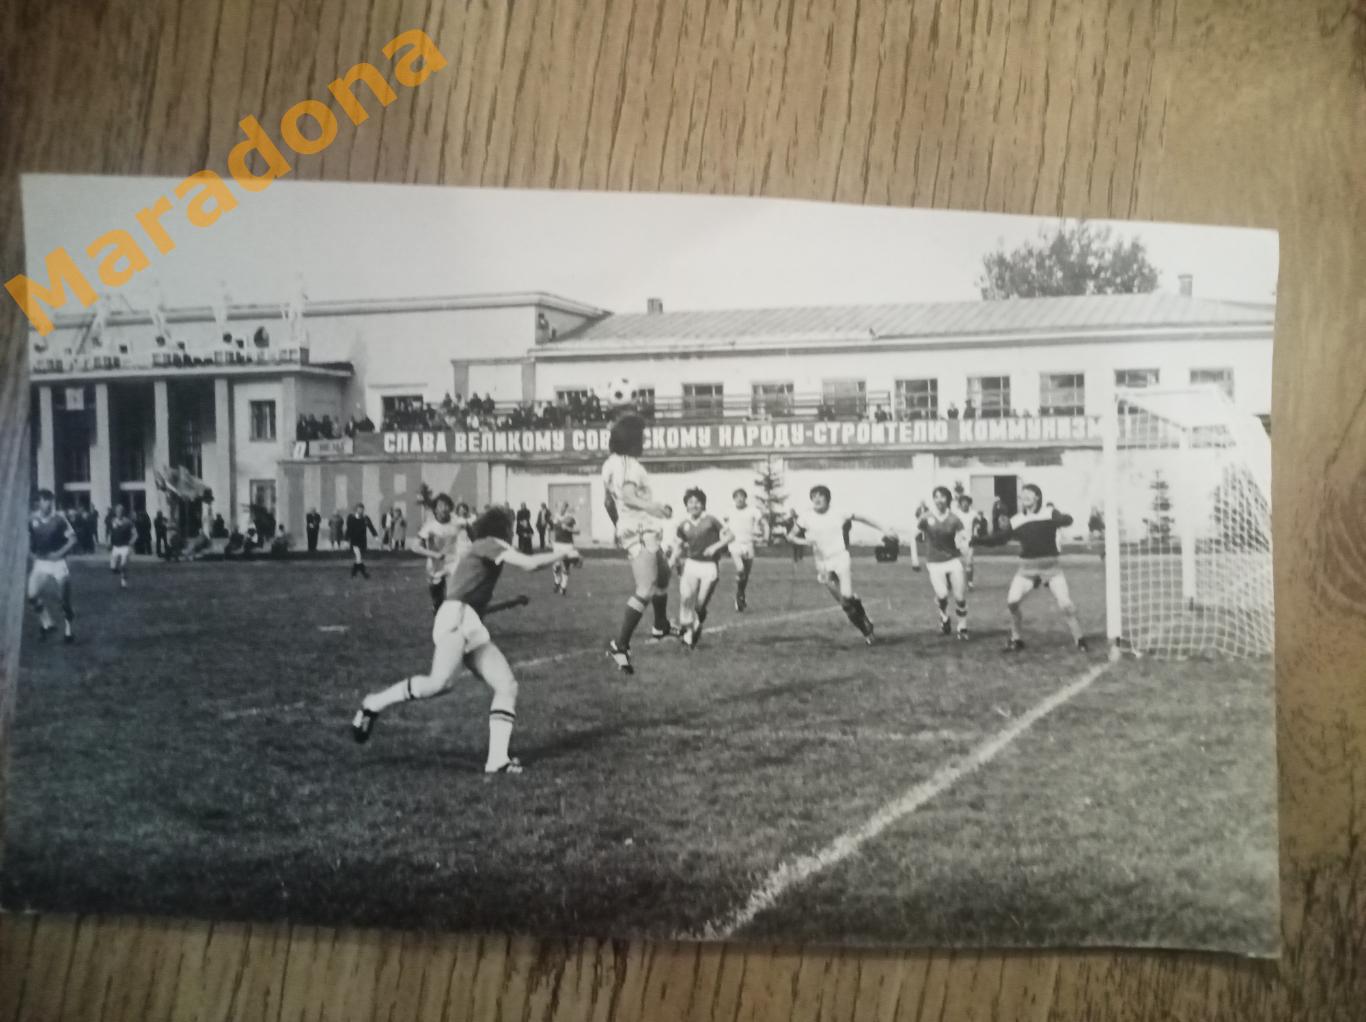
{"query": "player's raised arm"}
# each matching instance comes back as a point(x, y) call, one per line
point(533, 562)
point(727, 537)
point(876, 526)
point(1060, 519)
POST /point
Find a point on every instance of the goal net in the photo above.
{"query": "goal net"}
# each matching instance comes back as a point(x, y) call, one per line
point(1187, 525)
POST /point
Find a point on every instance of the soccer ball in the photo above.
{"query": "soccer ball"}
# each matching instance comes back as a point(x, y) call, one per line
point(621, 392)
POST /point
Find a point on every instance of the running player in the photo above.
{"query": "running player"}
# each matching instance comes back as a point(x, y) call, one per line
point(702, 538)
point(746, 524)
point(1036, 529)
point(965, 516)
point(563, 528)
point(823, 530)
point(459, 636)
point(438, 540)
point(946, 536)
point(640, 523)
point(50, 539)
point(121, 531)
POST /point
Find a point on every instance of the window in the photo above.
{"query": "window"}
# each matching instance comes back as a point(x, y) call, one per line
point(263, 420)
point(398, 405)
point(917, 399)
point(263, 494)
point(1062, 394)
point(132, 459)
point(563, 395)
point(990, 396)
point(1135, 377)
point(845, 397)
point(75, 462)
point(644, 396)
point(701, 400)
point(1221, 378)
point(772, 399)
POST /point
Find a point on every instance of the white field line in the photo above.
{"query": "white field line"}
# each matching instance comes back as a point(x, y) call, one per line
point(797, 871)
point(256, 711)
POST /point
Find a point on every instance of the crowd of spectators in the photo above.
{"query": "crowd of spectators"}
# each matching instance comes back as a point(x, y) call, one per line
point(310, 427)
point(483, 413)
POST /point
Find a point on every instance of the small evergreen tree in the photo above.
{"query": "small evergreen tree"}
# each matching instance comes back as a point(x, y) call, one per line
point(1160, 525)
point(770, 497)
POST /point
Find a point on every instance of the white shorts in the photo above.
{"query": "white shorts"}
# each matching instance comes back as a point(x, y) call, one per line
point(841, 567)
point(118, 557)
point(636, 541)
point(456, 623)
point(1034, 574)
point(46, 573)
point(946, 576)
point(698, 574)
point(561, 548)
point(741, 550)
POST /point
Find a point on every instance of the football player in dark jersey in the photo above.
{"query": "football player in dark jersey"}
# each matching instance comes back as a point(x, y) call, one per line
point(50, 539)
point(459, 635)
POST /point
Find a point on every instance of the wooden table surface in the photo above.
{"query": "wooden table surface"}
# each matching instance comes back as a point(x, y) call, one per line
point(1249, 112)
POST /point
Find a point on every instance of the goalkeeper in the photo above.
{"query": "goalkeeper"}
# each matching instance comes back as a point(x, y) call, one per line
point(1035, 528)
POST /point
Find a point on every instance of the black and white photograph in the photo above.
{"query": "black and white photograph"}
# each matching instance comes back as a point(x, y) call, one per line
point(625, 564)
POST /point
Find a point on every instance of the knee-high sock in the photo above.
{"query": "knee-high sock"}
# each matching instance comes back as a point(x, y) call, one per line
point(742, 579)
point(962, 608)
point(853, 610)
point(660, 603)
point(634, 610)
point(502, 718)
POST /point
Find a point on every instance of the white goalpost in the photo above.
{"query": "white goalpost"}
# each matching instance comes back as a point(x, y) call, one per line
point(1187, 508)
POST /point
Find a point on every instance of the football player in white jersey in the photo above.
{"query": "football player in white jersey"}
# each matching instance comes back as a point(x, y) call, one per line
point(640, 522)
point(438, 540)
point(747, 526)
point(823, 529)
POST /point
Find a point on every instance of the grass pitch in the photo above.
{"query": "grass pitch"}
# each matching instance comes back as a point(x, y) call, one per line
point(190, 755)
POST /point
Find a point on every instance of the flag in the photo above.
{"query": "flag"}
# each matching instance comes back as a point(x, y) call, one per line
point(159, 324)
point(180, 482)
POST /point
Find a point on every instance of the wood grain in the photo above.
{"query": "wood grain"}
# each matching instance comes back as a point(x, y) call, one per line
point(1210, 111)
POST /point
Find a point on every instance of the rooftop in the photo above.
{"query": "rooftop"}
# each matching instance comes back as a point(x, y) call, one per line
point(1013, 317)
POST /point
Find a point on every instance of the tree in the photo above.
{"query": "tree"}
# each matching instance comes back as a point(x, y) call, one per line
point(770, 497)
point(1073, 258)
point(1160, 525)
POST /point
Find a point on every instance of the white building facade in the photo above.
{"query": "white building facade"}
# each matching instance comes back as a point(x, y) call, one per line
point(881, 403)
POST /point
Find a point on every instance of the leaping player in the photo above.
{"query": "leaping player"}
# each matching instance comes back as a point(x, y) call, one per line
point(640, 522)
point(1036, 529)
point(746, 525)
point(946, 537)
point(50, 539)
point(824, 531)
point(459, 636)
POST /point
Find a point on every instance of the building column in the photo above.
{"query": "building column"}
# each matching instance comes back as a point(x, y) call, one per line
point(161, 442)
point(101, 454)
point(218, 474)
point(47, 446)
point(285, 430)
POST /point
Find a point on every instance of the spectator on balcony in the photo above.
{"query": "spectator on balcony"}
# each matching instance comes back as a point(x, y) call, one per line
point(969, 412)
point(301, 429)
point(366, 425)
point(953, 411)
point(881, 415)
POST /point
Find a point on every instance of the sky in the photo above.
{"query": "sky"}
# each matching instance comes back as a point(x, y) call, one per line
point(611, 250)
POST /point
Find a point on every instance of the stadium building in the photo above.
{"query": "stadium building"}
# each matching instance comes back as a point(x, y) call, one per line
point(880, 402)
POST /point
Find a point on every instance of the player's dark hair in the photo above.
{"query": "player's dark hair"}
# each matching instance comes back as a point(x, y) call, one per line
point(444, 498)
point(46, 494)
point(1034, 489)
point(466, 512)
point(821, 489)
point(627, 436)
point(495, 523)
point(964, 496)
point(948, 495)
point(739, 492)
point(694, 492)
